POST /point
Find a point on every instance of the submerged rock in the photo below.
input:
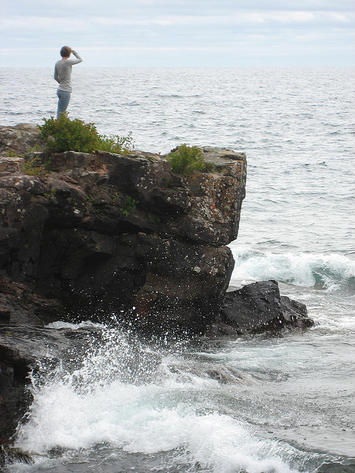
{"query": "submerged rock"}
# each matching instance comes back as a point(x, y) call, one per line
point(259, 307)
point(223, 374)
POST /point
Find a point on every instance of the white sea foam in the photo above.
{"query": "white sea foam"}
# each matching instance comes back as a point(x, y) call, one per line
point(91, 405)
point(322, 271)
point(132, 418)
point(72, 326)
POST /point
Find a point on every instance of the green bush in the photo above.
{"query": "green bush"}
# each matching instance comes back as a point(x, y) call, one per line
point(64, 134)
point(115, 144)
point(128, 205)
point(187, 159)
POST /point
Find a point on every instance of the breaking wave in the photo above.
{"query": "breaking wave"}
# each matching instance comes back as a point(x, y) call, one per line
point(139, 401)
point(332, 272)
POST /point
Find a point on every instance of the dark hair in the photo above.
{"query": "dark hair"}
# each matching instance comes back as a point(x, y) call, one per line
point(65, 51)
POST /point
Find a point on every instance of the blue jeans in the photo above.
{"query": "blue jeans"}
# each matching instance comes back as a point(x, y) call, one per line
point(63, 101)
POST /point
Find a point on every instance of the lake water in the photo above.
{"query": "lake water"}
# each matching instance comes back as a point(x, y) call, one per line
point(287, 403)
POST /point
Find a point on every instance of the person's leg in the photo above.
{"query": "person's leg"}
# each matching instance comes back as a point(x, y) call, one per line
point(63, 101)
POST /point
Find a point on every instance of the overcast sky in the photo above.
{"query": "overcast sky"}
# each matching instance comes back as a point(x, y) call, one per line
point(179, 32)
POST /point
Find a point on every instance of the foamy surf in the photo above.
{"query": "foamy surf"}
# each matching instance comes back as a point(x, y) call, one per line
point(129, 418)
point(331, 272)
point(160, 410)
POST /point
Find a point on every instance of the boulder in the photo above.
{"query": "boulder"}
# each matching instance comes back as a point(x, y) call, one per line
point(259, 307)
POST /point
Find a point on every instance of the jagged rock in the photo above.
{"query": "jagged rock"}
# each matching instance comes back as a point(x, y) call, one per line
point(257, 308)
point(203, 207)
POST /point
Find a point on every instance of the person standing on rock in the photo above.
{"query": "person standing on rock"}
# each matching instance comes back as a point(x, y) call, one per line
point(62, 74)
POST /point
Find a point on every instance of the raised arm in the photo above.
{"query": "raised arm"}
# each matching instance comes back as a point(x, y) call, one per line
point(78, 58)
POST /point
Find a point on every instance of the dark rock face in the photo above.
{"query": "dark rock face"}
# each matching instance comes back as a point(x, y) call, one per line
point(19, 304)
point(103, 233)
point(258, 308)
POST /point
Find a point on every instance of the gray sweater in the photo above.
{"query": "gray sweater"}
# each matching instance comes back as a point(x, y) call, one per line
point(62, 72)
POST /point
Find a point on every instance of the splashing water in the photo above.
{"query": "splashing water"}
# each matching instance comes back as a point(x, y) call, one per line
point(332, 272)
point(139, 399)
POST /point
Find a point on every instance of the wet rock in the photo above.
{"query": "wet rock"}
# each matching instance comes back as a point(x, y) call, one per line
point(258, 307)
point(223, 374)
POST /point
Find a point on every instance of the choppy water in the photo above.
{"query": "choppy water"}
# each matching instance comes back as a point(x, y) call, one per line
point(258, 405)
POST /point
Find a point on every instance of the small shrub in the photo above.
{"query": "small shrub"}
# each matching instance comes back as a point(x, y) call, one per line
point(35, 148)
point(128, 205)
point(33, 166)
point(115, 144)
point(187, 159)
point(64, 134)
point(11, 153)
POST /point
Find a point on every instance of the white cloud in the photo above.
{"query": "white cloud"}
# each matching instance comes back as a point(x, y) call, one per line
point(65, 24)
point(41, 24)
point(235, 17)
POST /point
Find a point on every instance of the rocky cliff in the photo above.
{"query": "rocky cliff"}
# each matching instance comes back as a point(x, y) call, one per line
point(96, 235)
